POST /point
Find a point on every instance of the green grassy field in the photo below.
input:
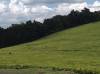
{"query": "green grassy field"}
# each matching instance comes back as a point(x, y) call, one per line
point(76, 48)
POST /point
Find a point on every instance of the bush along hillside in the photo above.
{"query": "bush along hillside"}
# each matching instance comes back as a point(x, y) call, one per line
point(33, 30)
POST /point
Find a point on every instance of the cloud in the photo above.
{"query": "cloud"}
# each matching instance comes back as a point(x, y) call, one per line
point(95, 6)
point(2, 7)
point(17, 7)
point(41, 9)
point(78, 6)
point(50, 1)
point(65, 8)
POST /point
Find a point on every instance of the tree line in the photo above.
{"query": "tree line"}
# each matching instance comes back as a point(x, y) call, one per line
point(33, 30)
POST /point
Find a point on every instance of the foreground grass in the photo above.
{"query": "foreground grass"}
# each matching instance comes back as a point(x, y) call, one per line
point(33, 71)
point(76, 48)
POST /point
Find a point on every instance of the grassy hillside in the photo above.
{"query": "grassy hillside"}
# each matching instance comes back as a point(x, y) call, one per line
point(76, 48)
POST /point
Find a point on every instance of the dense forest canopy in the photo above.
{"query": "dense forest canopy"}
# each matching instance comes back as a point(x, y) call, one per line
point(33, 30)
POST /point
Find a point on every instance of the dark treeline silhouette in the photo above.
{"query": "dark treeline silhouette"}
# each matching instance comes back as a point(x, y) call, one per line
point(33, 30)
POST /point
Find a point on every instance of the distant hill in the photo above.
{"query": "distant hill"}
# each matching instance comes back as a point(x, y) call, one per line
point(76, 48)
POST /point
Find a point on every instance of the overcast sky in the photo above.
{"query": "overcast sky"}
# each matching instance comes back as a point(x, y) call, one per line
point(16, 11)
